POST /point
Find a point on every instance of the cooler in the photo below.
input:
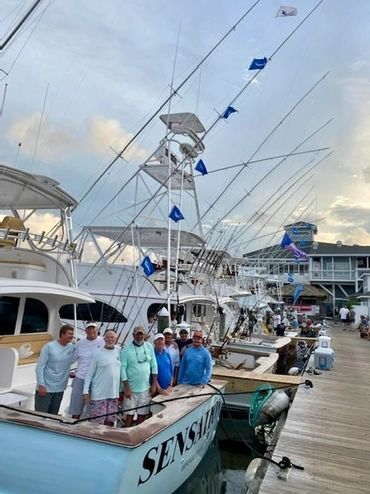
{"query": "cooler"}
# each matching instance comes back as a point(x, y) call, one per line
point(324, 358)
point(324, 342)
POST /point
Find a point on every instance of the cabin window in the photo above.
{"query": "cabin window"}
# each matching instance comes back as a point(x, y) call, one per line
point(8, 314)
point(35, 317)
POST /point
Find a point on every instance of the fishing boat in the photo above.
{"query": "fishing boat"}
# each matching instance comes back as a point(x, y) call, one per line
point(157, 455)
point(37, 276)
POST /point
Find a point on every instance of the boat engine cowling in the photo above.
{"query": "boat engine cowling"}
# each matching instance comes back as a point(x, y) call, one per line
point(273, 407)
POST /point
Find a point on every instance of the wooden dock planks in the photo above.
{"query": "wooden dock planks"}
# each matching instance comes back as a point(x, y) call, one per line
point(328, 429)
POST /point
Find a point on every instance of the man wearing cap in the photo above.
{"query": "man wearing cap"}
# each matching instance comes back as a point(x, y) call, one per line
point(184, 342)
point(102, 382)
point(173, 350)
point(83, 353)
point(164, 363)
point(196, 364)
point(138, 366)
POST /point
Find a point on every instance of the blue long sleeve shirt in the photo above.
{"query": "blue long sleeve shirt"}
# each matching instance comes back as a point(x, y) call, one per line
point(196, 366)
point(52, 370)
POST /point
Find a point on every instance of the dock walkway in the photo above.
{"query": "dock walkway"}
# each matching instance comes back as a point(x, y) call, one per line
point(328, 429)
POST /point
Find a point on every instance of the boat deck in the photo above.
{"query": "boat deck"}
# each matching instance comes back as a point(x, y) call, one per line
point(328, 429)
point(185, 399)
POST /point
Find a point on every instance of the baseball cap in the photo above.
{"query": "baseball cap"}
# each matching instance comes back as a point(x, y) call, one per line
point(158, 336)
point(167, 331)
point(91, 325)
point(139, 329)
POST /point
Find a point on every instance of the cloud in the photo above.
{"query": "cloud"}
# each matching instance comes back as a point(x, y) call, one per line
point(57, 142)
point(366, 174)
point(53, 142)
point(345, 221)
point(359, 65)
point(108, 132)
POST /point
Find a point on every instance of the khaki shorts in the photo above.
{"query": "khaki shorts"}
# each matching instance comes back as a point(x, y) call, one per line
point(137, 400)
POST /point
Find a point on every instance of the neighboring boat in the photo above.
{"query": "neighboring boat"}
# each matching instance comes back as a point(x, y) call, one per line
point(49, 455)
point(257, 344)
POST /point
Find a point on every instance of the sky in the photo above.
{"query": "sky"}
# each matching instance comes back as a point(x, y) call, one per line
point(84, 76)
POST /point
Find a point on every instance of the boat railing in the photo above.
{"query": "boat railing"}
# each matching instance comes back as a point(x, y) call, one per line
point(10, 237)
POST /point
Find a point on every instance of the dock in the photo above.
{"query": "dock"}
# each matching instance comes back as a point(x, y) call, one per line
point(327, 430)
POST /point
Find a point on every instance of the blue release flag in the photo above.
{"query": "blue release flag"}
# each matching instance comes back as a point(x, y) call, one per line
point(147, 266)
point(258, 64)
point(229, 110)
point(290, 278)
point(176, 215)
point(298, 290)
point(201, 167)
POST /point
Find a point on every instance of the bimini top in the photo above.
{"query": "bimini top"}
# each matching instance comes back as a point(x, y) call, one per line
point(147, 236)
point(23, 190)
point(60, 293)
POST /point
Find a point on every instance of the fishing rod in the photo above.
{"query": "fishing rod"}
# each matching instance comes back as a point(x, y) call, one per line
point(271, 250)
point(302, 175)
point(248, 193)
point(300, 178)
point(258, 214)
point(210, 128)
point(168, 99)
point(252, 162)
point(269, 135)
point(20, 24)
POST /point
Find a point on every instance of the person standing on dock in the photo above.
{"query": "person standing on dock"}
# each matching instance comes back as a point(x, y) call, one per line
point(52, 371)
point(102, 381)
point(83, 353)
point(343, 314)
point(138, 366)
point(196, 364)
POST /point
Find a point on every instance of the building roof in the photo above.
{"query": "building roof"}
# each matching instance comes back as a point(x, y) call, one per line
point(308, 291)
point(302, 224)
point(312, 249)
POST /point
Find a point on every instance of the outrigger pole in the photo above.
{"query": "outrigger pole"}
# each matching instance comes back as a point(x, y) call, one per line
point(200, 140)
point(168, 99)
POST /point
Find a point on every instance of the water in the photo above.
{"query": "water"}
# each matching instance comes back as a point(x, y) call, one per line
point(222, 470)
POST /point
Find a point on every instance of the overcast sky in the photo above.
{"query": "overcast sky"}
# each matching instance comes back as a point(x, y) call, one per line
point(99, 69)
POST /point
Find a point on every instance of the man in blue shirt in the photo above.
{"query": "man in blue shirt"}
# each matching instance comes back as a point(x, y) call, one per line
point(165, 367)
point(52, 371)
point(196, 364)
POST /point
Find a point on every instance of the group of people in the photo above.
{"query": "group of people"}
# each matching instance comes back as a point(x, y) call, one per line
point(108, 377)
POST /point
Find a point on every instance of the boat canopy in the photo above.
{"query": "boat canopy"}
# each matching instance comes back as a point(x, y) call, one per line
point(23, 190)
point(63, 294)
point(147, 237)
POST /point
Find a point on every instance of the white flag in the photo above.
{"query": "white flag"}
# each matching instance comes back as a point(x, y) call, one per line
point(286, 11)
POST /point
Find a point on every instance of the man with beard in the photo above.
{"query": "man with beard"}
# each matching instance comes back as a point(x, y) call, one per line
point(101, 384)
point(196, 364)
point(138, 369)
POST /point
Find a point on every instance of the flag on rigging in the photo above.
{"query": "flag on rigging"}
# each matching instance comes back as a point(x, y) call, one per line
point(286, 11)
point(147, 266)
point(290, 278)
point(288, 244)
point(229, 110)
point(258, 63)
point(201, 167)
point(298, 290)
point(176, 215)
